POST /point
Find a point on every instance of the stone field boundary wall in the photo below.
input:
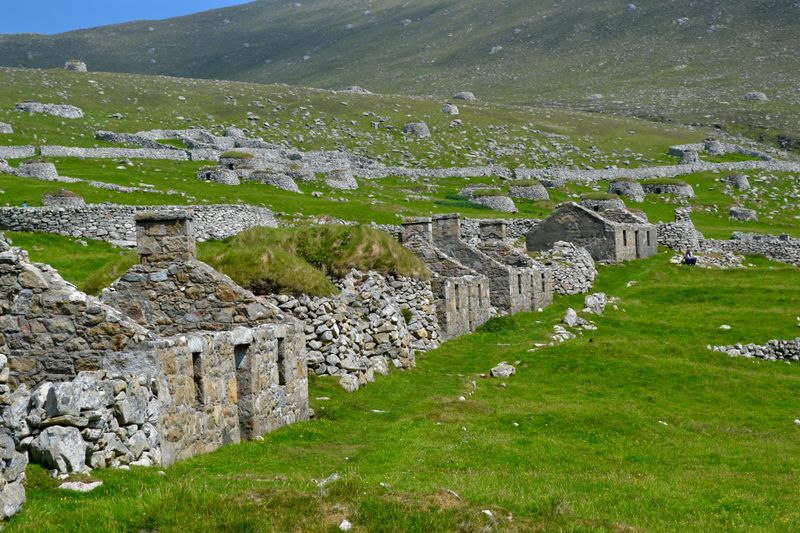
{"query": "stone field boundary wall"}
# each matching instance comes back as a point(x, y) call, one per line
point(116, 223)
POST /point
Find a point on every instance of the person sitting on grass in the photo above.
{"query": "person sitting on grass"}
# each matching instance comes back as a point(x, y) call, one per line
point(689, 259)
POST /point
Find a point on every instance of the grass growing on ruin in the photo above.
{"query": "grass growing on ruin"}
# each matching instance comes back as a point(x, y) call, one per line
point(298, 260)
point(635, 426)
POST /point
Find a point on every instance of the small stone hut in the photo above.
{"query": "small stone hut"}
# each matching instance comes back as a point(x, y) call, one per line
point(612, 236)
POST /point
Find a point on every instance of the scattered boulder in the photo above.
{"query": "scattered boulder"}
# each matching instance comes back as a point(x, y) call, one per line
point(595, 303)
point(737, 181)
point(6, 129)
point(417, 129)
point(570, 318)
point(465, 96)
point(742, 213)
point(503, 371)
point(755, 96)
point(74, 65)
point(450, 109)
point(341, 179)
point(56, 110)
point(596, 97)
point(80, 486)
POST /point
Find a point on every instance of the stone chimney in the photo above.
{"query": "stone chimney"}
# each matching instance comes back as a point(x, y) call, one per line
point(446, 227)
point(416, 228)
point(493, 230)
point(164, 236)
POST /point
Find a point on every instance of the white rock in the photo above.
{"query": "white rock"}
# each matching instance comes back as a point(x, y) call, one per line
point(79, 486)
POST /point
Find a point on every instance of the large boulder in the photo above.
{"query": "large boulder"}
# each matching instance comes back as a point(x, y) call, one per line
point(61, 448)
point(466, 96)
point(742, 213)
point(6, 129)
point(737, 181)
point(56, 110)
point(417, 129)
point(73, 65)
point(450, 109)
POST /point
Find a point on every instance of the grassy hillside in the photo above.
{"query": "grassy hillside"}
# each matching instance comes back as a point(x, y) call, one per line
point(687, 61)
point(633, 427)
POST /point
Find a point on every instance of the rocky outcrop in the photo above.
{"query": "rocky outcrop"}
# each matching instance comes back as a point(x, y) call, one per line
point(56, 110)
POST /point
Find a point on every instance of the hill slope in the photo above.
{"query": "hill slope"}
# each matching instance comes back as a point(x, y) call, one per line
point(688, 61)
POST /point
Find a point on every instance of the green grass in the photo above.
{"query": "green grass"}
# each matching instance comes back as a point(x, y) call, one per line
point(481, 193)
point(177, 143)
point(730, 157)
point(635, 426)
point(299, 260)
point(235, 154)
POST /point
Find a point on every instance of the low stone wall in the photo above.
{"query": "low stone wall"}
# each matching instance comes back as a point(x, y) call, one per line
point(364, 329)
point(782, 248)
point(115, 223)
point(560, 176)
point(17, 152)
point(114, 153)
point(774, 350)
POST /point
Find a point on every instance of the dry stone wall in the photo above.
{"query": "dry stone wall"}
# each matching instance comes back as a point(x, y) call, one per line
point(115, 223)
point(374, 323)
point(774, 350)
point(572, 268)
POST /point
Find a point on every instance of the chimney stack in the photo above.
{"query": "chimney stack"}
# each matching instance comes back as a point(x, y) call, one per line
point(164, 236)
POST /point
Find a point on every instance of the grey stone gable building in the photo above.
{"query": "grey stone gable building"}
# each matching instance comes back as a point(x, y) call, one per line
point(257, 352)
point(612, 236)
point(509, 286)
point(461, 295)
point(199, 363)
point(494, 243)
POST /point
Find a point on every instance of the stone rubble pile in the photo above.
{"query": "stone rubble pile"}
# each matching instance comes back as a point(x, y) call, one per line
point(773, 350)
point(374, 322)
point(572, 268)
point(98, 420)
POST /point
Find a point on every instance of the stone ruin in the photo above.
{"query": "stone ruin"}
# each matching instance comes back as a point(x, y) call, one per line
point(172, 361)
point(612, 235)
point(470, 283)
